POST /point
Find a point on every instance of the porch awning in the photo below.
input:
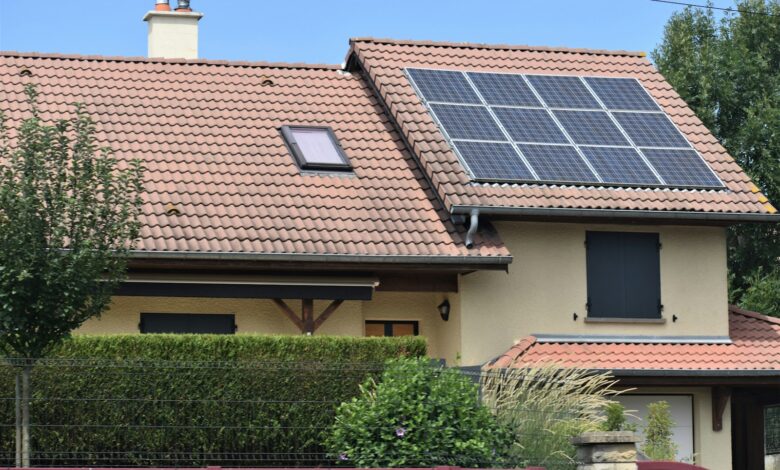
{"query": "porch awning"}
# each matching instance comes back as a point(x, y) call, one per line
point(252, 287)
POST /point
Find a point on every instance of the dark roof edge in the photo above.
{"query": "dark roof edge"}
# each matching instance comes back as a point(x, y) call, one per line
point(130, 59)
point(325, 258)
point(719, 217)
point(692, 372)
point(504, 47)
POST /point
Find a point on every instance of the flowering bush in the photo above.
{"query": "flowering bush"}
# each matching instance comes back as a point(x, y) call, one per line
point(417, 415)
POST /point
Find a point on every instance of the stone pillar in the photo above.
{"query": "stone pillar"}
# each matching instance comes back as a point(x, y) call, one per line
point(608, 450)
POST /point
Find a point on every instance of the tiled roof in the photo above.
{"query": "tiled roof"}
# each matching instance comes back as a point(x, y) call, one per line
point(219, 177)
point(384, 62)
point(755, 346)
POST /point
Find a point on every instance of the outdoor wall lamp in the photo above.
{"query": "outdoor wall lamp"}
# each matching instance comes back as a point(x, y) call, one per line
point(444, 310)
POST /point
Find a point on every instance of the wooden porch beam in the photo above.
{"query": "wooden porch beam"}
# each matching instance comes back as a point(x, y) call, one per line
point(327, 313)
point(720, 398)
point(307, 313)
point(288, 311)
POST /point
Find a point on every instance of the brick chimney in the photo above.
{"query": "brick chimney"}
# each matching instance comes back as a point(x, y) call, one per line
point(173, 34)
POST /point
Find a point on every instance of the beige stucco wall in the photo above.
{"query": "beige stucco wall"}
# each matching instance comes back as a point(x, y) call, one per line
point(546, 284)
point(263, 316)
point(712, 448)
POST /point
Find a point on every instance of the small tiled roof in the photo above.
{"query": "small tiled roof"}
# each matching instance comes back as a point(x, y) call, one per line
point(384, 62)
point(755, 346)
point(219, 177)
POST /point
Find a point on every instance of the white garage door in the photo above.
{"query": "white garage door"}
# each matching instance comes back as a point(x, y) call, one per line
point(681, 408)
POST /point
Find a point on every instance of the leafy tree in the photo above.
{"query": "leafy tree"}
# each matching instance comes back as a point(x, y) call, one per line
point(68, 216)
point(658, 443)
point(728, 70)
point(762, 293)
point(417, 415)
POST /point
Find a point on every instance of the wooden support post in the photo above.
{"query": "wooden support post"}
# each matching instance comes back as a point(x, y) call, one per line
point(307, 313)
point(720, 398)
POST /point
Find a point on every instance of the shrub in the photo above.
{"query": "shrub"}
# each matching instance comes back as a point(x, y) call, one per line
point(545, 406)
point(658, 443)
point(193, 400)
point(417, 415)
point(615, 415)
point(763, 293)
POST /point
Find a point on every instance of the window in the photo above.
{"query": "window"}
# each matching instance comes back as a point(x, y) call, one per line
point(624, 275)
point(392, 328)
point(222, 324)
point(315, 148)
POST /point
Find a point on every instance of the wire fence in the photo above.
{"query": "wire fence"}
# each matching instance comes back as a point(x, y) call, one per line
point(140, 413)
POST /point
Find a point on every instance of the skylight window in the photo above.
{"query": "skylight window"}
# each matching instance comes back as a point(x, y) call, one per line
point(315, 148)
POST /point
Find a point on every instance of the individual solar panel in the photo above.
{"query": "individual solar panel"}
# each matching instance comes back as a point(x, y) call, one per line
point(563, 92)
point(620, 165)
point(495, 161)
point(622, 93)
point(444, 85)
point(681, 167)
point(591, 127)
point(651, 130)
point(559, 163)
point(504, 89)
point(467, 122)
point(530, 125)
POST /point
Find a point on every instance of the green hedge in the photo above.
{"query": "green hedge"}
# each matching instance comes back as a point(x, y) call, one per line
point(192, 400)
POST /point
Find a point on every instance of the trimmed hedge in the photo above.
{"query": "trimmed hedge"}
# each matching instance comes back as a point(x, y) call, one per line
point(193, 400)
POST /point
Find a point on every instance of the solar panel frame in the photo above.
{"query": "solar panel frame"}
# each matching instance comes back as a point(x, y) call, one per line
point(579, 148)
point(609, 98)
point(568, 162)
point(464, 95)
point(543, 128)
point(706, 177)
point(644, 130)
point(493, 95)
point(636, 167)
point(482, 168)
point(465, 122)
point(587, 127)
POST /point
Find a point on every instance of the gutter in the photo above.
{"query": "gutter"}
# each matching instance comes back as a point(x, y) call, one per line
point(499, 261)
point(616, 214)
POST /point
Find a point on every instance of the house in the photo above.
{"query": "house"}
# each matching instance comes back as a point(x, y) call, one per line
point(510, 203)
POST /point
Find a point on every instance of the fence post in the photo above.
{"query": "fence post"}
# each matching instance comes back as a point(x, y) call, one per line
point(609, 450)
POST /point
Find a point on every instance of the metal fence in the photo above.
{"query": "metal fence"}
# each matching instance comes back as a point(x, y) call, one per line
point(135, 413)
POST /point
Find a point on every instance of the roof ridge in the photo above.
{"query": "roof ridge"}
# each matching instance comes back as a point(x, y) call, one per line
point(510, 47)
point(138, 59)
point(750, 314)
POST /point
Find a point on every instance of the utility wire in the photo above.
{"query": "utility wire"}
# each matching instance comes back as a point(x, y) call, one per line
point(712, 7)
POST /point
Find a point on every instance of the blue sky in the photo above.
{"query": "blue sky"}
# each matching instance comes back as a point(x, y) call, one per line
point(318, 31)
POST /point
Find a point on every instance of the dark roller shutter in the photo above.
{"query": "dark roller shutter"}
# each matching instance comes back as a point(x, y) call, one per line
point(223, 324)
point(624, 275)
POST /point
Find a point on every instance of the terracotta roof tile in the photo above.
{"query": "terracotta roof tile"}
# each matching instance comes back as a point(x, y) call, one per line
point(384, 61)
point(755, 346)
point(208, 134)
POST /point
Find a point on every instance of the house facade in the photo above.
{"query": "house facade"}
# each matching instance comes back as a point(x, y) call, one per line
point(423, 188)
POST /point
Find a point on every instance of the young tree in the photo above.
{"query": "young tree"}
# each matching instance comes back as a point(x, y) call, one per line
point(658, 443)
point(68, 216)
point(729, 72)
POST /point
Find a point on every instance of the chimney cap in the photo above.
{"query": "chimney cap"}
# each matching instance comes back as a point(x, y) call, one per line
point(183, 5)
point(162, 5)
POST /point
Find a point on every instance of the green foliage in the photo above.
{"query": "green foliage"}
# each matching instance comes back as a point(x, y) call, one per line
point(763, 293)
point(729, 72)
point(658, 443)
point(545, 406)
point(616, 418)
point(417, 415)
point(68, 216)
point(193, 400)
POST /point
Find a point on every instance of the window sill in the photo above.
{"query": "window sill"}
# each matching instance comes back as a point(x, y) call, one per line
point(656, 321)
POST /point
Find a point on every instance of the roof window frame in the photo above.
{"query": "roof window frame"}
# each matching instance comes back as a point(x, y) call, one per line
point(288, 133)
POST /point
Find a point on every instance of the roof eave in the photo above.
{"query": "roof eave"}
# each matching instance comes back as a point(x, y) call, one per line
point(498, 262)
point(655, 215)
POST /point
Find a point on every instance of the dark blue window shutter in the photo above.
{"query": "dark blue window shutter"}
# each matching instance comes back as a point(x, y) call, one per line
point(624, 275)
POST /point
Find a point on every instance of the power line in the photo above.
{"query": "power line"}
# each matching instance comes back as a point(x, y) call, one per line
point(712, 7)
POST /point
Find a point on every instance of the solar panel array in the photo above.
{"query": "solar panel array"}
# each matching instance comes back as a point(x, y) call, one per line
point(560, 130)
